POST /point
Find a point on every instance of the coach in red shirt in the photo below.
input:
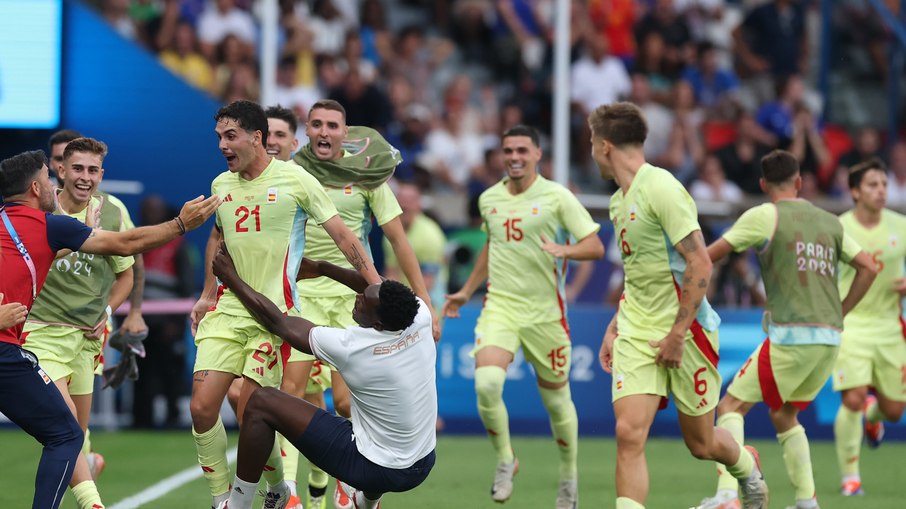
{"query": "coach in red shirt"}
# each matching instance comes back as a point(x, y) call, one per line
point(30, 238)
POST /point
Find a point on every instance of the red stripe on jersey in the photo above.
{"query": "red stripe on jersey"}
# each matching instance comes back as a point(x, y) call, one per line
point(220, 289)
point(285, 350)
point(769, 391)
point(703, 344)
point(287, 284)
point(562, 304)
point(903, 327)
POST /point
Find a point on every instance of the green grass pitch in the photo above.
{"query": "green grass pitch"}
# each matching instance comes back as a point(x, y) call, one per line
point(462, 477)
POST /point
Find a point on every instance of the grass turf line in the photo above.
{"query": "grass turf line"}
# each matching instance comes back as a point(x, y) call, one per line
point(465, 467)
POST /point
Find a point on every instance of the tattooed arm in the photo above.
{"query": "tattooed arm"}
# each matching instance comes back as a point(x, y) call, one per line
point(695, 284)
point(351, 248)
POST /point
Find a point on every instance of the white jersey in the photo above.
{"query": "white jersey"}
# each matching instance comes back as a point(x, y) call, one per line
point(392, 382)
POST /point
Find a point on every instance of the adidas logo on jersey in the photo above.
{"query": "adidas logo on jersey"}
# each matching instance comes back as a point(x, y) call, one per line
point(259, 370)
point(229, 197)
point(702, 404)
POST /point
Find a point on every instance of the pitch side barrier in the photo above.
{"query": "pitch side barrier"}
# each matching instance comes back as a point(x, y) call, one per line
point(740, 333)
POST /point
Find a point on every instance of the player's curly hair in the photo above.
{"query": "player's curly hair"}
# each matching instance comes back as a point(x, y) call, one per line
point(397, 307)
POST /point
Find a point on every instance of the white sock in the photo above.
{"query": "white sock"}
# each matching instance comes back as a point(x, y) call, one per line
point(364, 503)
point(243, 494)
point(220, 498)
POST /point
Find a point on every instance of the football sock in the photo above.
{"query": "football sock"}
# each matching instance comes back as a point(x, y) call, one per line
point(874, 414)
point(273, 469)
point(798, 461)
point(212, 447)
point(565, 427)
point(86, 445)
point(489, 389)
point(290, 458)
point(628, 503)
point(86, 495)
point(243, 493)
point(363, 502)
point(734, 423)
point(848, 440)
point(317, 478)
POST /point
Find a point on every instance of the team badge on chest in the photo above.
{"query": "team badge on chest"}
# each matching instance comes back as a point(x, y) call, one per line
point(272, 195)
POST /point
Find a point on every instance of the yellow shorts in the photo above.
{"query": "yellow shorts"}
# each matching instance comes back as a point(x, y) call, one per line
point(546, 345)
point(695, 385)
point(319, 379)
point(65, 354)
point(238, 345)
point(778, 374)
point(880, 366)
point(327, 311)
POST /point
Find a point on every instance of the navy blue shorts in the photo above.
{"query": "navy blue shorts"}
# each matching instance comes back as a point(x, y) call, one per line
point(329, 443)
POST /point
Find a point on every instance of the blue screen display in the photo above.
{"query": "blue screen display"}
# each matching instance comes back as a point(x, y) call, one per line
point(30, 35)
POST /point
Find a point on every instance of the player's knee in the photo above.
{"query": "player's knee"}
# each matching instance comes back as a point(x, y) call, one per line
point(289, 386)
point(489, 382)
point(854, 400)
point(699, 449)
point(204, 416)
point(893, 413)
point(629, 435)
point(557, 401)
point(261, 401)
point(727, 405)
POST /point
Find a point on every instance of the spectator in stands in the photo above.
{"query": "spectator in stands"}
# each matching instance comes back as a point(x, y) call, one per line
point(712, 183)
point(770, 43)
point(653, 64)
point(658, 117)
point(354, 59)
point(896, 185)
point(116, 13)
point(182, 57)
point(229, 59)
point(169, 274)
point(365, 103)
point(489, 173)
point(222, 18)
point(686, 149)
point(242, 85)
point(808, 146)
point(376, 39)
point(616, 20)
point(452, 155)
point(672, 26)
point(428, 242)
point(416, 59)
point(409, 138)
point(329, 28)
point(713, 85)
point(867, 145)
point(472, 32)
point(288, 93)
point(595, 79)
point(741, 159)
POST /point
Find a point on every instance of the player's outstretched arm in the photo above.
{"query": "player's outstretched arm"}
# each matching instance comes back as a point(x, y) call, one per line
point(293, 330)
point(719, 249)
point(352, 249)
point(479, 275)
point(695, 285)
point(589, 248)
point(348, 277)
point(865, 275)
point(193, 214)
point(396, 235)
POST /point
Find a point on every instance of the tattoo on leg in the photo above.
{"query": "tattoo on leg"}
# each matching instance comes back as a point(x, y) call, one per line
point(702, 283)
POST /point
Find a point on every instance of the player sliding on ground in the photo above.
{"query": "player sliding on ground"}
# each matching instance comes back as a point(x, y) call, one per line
point(388, 364)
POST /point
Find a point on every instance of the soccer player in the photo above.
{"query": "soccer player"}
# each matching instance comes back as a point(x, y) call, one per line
point(66, 326)
point(353, 168)
point(30, 239)
point(524, 215)
point(133, 323)
point(388, 360)
point(799, 247)
point(872, 350)
point(266, 206)
point(663, 339)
